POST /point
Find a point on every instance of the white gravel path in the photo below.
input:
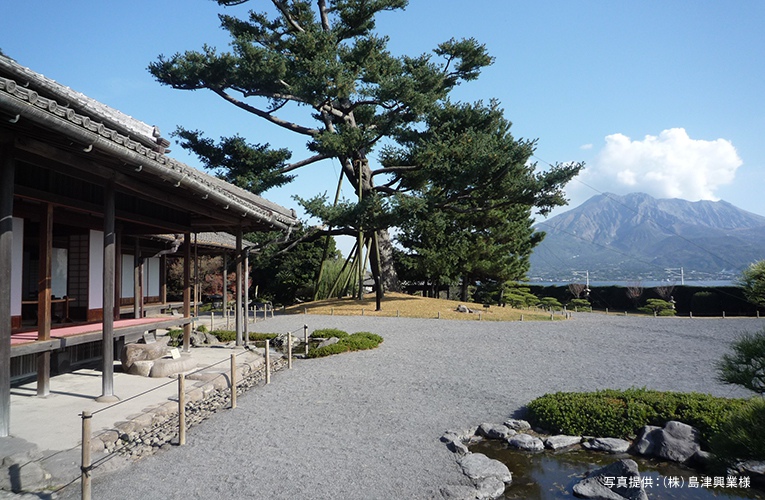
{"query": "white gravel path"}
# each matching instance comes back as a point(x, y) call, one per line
point(366, 425)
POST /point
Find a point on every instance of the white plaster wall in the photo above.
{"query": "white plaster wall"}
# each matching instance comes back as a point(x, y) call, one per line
point(151, 277)
point(96, 274)
point(127, 276)
point(17, 264)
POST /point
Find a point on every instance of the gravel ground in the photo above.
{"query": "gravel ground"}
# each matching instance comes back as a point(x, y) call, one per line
point(366, 425)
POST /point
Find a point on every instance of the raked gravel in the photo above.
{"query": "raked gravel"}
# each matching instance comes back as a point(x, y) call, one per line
point(366, 425)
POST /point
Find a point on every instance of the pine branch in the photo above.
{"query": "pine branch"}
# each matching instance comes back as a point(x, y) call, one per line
point(293, 127)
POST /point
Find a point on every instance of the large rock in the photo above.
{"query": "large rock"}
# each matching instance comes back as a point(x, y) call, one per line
point(329, 341)
point(143, 352)
point(610, 445)
point(526, 442)
point(676, 441)
point(281, 340)
point(479, 467)
point(561, 441)
point(166, 367)
point(494, 431)
point(517, 425)
point(605, 483)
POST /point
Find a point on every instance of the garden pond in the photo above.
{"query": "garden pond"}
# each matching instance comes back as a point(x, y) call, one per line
point(552, 475)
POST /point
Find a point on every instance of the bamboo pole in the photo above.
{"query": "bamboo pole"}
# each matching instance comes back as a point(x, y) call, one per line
point(181, 409)
point(268, 362)
point(233, 380)
point(85, 468)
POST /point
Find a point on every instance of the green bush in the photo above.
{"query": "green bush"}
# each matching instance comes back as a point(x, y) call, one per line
point(356, 342)
point(327, 333)
point(617, 413)
point(230, 335)
point(361, 340)
point(658, 307)
point(202, 328)
point(327, 350)
point(740, 436)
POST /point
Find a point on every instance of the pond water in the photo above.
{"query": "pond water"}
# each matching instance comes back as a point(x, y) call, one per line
point(552, 475)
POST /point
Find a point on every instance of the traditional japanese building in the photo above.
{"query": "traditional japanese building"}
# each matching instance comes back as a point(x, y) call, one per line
point(91, 208)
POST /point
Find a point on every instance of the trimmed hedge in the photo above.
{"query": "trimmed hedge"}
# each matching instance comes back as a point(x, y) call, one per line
point(328, 333)
point(230, 335)
point(617, 413)
point(355, 342)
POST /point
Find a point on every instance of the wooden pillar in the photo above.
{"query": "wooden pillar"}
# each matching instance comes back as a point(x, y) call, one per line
point(7, 171)
point(196, 277)
point(186, 290)
point(246, 296)
point(225, 287)
point(238, 317)
point(44, 304)
point(137, 278)
point(110, 240)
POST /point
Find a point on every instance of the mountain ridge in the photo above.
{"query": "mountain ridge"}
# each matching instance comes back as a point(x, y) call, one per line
point(636, 236)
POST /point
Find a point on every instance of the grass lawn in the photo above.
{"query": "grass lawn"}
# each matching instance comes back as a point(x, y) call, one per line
point(410, 306)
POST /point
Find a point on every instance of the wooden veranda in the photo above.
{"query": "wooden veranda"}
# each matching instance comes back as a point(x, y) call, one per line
point(85, 194)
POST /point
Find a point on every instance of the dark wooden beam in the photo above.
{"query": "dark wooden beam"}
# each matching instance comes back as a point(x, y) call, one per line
point(7, 172)
point(37, 152)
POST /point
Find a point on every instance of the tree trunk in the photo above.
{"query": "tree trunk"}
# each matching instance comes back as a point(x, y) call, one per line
point(388, 274)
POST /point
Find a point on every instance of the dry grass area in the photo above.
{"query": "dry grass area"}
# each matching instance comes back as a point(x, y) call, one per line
point(411, 306)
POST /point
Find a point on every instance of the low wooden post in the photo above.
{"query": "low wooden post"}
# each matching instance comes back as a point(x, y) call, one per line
point(439, 315)
point(362, 311)
point(85, 468)
point(289, 350)
point(521, 317)
point(305, 338)
point(723, 314)
point(331, 311)
point(479, 316)
point(268, 362)
point(397, 313)
point(233, 380)
point(181, 409)
point(212, 321)
point(606, 311)
point(690, 314)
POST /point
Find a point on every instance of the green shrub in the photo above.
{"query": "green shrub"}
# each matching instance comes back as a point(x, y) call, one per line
point(327, 333)
point(230, 335)
point(623, 413)
point(658, 307)
point(580, 304)
point(356, 342)
point(740, 436)
point(202, 328)
point(327, 350)
point(361, 340)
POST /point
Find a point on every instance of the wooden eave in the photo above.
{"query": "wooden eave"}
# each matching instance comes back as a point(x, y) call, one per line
point(50, 135)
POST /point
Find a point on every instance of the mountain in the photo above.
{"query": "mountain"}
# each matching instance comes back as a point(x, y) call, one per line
point(635, 236)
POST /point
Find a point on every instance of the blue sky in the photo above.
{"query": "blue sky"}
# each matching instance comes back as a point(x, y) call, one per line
point(662, 97)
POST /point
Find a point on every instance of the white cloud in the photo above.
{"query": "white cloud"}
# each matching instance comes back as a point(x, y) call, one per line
point(670, 165)
point(585, 147)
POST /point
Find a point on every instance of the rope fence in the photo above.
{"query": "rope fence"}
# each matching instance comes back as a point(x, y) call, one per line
point(235, 385)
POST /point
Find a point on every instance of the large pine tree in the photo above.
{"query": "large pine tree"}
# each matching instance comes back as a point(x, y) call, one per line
point(323, 57)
